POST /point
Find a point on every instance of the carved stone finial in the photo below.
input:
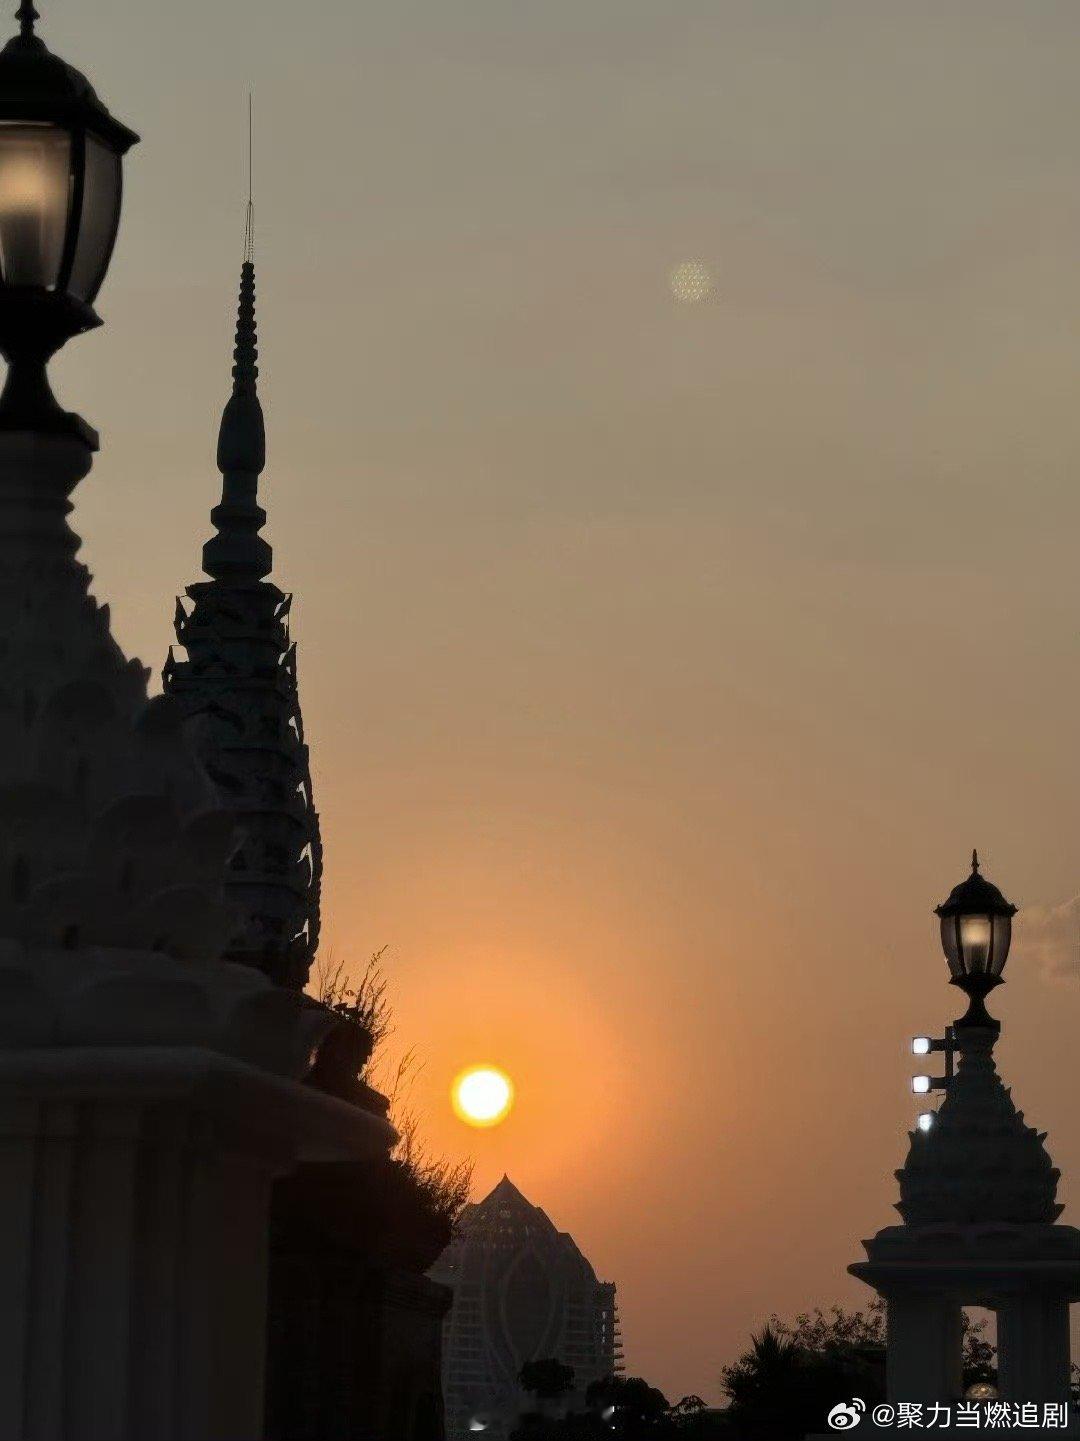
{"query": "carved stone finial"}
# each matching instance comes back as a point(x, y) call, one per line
point(26, 15)
point(238, 553)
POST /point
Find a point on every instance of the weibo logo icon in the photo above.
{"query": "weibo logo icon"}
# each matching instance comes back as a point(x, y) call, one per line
point(846, 1415)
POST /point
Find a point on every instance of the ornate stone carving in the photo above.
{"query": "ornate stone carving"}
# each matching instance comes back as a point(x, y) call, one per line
point(979, 1162)
point(110, 997)
point(110, 834)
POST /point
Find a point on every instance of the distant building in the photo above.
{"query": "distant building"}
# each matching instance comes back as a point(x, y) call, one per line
point(522, 1292)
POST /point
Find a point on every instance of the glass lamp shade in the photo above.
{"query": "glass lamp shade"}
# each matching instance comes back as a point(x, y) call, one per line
point(98, 221)
point(60, 157)
point(59, 208)
point(976, 945)
point(35, 186)
point(976, 930)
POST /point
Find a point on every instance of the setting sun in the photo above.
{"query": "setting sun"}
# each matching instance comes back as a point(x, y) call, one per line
point(482, 1095)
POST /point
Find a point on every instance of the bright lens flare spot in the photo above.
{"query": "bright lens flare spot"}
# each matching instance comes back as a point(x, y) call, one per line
point(482, 1095)
point(691, 282)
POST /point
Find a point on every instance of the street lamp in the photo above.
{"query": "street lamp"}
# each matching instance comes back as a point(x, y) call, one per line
point(976, 932)
point(60, 188)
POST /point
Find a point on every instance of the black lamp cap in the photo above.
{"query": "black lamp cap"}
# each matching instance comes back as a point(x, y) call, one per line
point(36, 85)
point(975, 896)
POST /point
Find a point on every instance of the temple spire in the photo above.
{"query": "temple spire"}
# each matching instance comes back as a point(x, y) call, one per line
point(239, 675)
point(238, 552)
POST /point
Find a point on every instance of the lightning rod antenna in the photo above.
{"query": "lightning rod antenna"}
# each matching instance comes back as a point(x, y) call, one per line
point(249, 225)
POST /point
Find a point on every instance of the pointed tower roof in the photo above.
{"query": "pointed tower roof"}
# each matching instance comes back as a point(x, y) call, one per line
point(979, 1161)
point(506, 1191)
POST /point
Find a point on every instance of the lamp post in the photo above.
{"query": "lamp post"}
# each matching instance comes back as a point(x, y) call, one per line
point(60, 189)
point(976, 932)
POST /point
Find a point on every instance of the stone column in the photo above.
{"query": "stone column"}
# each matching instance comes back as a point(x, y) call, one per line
point(925, 1339)
point(134, 1269)
point(1033, 1347)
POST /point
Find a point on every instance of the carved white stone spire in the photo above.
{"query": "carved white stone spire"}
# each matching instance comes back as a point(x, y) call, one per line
point(240, 676)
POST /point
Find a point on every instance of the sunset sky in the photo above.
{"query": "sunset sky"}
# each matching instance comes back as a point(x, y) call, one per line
point(661, 662)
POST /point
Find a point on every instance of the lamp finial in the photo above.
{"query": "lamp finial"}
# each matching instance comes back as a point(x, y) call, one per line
point(26, 15)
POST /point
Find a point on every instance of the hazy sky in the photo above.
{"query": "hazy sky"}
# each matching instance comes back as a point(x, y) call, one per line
point(661, 663)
